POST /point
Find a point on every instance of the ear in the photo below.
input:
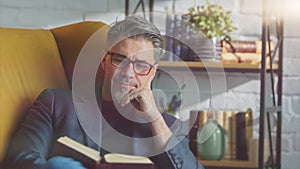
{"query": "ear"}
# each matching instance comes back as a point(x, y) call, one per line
point(153, 72)
point(102, 63)
point(104, 57)
point(151, 76)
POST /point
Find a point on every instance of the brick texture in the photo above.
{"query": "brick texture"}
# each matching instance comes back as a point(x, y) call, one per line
point(291, 48)
point(48, 17)
point(84, 5)
point(23, 3)
point(291, 85)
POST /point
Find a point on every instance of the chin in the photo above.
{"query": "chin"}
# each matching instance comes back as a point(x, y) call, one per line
point(118, 96)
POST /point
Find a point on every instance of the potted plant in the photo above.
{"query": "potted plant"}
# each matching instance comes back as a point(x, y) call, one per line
point(175, 103)
point(212, 19)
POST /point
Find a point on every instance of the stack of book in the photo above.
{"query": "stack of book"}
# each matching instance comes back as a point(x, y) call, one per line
point(238, 126)
point(177, 38)
point(184, 43)
point(239, 51)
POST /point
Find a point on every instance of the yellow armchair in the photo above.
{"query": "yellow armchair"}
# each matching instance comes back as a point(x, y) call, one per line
point(32, 60)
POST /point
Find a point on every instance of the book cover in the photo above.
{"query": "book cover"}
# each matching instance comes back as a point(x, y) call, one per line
point(241, 143)
point(92, 159)
point(225, 123)
point(242, 46)
point(251, 58)
point(169, 40)
point(232, 136)
point(197, 119)
point(248, 128)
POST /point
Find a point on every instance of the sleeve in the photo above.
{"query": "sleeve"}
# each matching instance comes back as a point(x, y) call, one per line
point(178, 157)
point(178, 154)
point(30, 145)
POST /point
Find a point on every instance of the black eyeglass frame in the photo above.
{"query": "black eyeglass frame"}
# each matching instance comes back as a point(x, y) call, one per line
point(129, 61)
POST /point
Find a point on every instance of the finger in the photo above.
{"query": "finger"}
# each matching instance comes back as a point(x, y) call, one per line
point(130, 96)
point(125, 100)
point(134, 96)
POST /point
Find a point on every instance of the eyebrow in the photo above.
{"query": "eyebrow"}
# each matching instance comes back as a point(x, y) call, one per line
point(125, 56)
point(115, 53)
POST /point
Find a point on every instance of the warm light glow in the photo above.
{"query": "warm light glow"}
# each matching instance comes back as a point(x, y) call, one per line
point(292, 8)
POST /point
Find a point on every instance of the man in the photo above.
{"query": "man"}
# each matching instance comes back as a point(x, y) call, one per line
point(127, 105)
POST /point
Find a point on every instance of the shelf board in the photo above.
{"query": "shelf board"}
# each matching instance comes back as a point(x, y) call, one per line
point(229, 163)
point(229, 67)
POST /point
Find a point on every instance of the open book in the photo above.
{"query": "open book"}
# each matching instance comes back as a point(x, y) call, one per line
point(91, 158)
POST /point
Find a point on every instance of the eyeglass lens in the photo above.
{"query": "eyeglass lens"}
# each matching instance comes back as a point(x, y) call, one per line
point(123, 61)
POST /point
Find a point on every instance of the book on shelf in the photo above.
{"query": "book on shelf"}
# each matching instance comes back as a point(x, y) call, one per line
point(177, 38)
point(241, 51)
point(241, 143)
point(251, 58)
point(240, 133)
point(224, 121)
point(92, 159)
point(244, 134)
point(244, 46)
point(197, 119)
point(248, 129)
point(232, 136)
point(254, 150)
point(238, 126)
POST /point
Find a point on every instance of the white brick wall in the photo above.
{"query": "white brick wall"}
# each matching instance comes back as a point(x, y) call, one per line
point(296, 146)
point(86, 5)
point(291, 66)
point(48, 17)
point(23, 3)
point(243, 89)
point(295, 106)
point(8, 16)
point(290, 160)
point(251, 7)
point(291, 85)
point(287, 144)
point(291, 44)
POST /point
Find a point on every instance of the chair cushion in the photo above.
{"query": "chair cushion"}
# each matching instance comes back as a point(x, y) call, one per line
point(29, 63)
point(71, 38)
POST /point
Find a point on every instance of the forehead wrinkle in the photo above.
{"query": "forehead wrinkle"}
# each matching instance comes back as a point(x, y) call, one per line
point(134, 48)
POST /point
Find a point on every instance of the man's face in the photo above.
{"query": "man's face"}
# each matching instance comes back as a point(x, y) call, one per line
point(134, 57)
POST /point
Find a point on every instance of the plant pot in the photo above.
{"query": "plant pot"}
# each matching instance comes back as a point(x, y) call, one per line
point(207, 49)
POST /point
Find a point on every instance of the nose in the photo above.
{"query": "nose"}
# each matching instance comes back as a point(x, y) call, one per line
point(129, 70)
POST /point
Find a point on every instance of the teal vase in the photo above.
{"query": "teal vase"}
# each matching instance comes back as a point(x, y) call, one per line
point(211, 139)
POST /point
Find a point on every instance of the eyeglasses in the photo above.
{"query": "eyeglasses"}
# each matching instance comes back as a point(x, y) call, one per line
point(121, 61)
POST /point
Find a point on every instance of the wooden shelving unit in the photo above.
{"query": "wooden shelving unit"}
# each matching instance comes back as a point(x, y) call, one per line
point(229, 164)
point(262, 68)
point(228, 67)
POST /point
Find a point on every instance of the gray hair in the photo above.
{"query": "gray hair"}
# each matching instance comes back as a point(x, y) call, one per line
point(136, 27)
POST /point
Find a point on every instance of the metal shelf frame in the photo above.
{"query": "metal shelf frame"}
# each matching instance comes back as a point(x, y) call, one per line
point(142, 4)
point(266, 14)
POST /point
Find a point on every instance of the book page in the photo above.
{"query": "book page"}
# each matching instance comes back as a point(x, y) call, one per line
point(80, 148)
point(122, 158)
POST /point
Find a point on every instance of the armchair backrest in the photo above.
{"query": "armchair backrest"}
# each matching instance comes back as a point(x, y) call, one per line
point(71, 38)
point(32, 60)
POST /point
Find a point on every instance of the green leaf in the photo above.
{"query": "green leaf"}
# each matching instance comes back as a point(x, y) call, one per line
point(212, 19)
